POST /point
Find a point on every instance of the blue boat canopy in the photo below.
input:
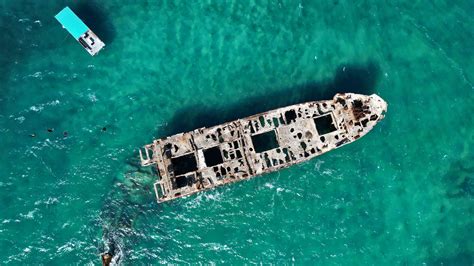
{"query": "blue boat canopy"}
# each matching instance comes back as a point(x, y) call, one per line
point(71, 22)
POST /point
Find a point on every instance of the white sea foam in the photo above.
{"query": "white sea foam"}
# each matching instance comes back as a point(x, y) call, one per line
point(30, 215)
point(317, 165)
point(38, 75)
point(20, 119)
point(268, 185)
point(36, 108)
point(92, 97)
point(40, 107)
point(68, 247)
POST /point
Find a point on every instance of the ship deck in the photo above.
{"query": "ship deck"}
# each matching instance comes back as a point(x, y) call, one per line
point(208, 157)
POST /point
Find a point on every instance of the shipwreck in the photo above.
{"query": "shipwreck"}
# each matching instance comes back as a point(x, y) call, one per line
point(238, 150)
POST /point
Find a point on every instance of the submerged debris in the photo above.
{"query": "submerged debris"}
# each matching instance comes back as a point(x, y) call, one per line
point(208, 157)
point(106, 259)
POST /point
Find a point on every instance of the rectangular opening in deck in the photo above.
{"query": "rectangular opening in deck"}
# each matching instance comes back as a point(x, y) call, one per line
point(183, 181)
point(184, 164)
point(324, 124)
point(265, 141)
point(213, 156)
point(290, 116)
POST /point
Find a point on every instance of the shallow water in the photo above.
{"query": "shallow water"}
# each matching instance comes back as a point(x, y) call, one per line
point(403, 194)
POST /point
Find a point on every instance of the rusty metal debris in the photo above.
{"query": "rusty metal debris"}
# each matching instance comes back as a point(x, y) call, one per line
point(106, 259)
point(208, 157)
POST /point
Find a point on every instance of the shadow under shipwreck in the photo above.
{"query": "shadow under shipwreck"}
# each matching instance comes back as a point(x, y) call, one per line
point(355, 78)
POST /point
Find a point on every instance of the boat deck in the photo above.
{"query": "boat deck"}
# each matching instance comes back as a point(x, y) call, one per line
point(91, 42)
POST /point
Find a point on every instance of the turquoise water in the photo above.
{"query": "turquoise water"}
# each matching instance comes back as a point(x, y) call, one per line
point(403, 194)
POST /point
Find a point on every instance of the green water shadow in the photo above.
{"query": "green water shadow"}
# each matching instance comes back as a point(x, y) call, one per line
point(355, 78)
point(96, 17)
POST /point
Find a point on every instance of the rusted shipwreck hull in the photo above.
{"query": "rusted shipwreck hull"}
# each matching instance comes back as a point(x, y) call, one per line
point(208, 157)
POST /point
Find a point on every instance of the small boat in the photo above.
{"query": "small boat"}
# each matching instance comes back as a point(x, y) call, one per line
point(79, 30)
point(209, 157)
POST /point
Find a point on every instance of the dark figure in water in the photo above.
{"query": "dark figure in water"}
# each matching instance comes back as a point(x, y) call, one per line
point(50, 129)
point(106, 259)
point(112, 253)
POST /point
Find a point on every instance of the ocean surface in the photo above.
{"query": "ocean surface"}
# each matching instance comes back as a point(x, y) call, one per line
point(402, 195)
